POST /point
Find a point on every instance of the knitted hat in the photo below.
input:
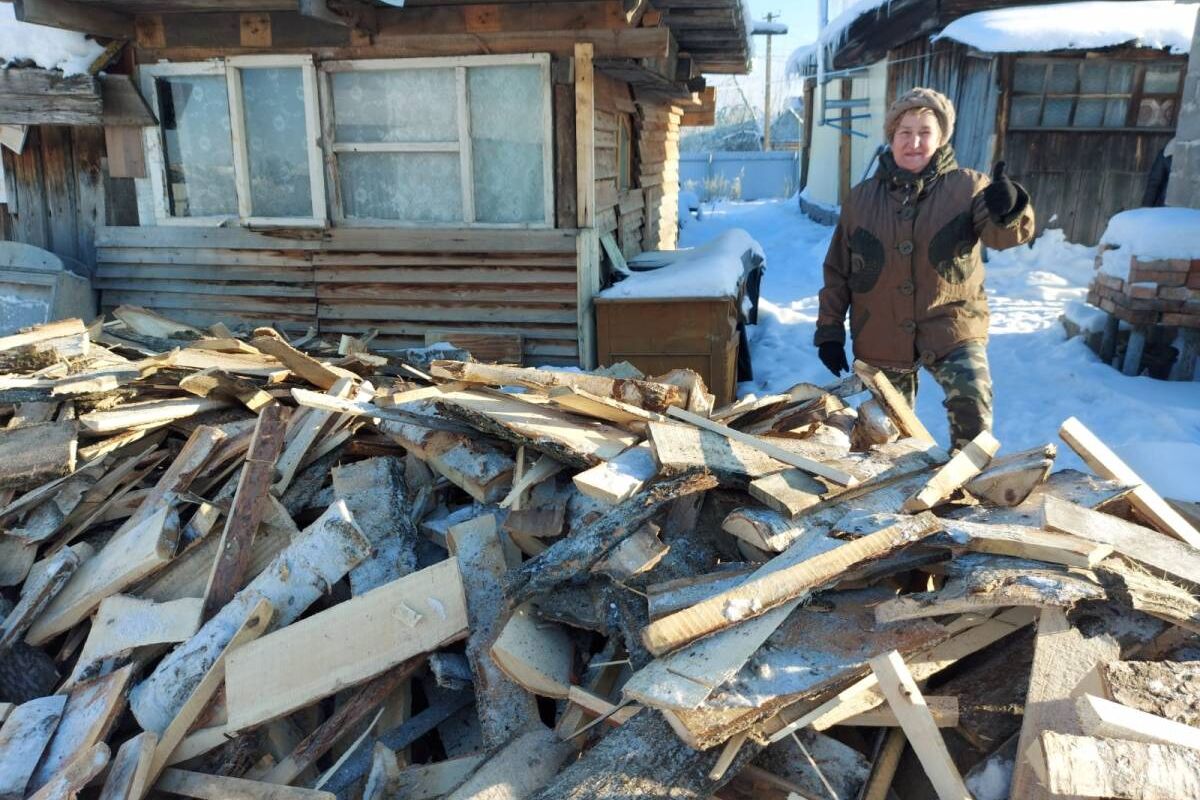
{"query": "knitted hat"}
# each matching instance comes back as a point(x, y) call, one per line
point(920, 97)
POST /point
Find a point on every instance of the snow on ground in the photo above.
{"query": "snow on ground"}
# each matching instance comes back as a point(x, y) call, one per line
point(1040, 377)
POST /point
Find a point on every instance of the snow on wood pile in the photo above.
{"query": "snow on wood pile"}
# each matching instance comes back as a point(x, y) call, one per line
point(235, 565)
point(1148, 267)
point(714, 269)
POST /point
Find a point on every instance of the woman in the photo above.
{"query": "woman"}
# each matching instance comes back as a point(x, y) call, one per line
point(905, 261)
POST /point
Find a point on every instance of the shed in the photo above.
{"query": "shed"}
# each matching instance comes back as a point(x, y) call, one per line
point(1078, 98)
point(349, 165)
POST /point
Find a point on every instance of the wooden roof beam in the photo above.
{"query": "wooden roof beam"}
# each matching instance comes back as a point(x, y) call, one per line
point(74, 16)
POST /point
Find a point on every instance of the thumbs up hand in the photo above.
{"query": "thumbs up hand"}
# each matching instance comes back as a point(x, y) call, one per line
point(1001, 194)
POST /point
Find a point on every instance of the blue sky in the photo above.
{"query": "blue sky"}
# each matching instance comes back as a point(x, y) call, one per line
point(801, 18)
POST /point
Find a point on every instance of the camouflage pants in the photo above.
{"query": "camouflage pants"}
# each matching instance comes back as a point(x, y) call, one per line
point(964, 376)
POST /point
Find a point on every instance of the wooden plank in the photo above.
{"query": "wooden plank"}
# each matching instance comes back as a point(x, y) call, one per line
point(153, 412)
point(964, 465)
point(905, 699)
point(217, 787)
point(503, 348)
point(534, 653)
point(1062, 658)
point(302, 433)
point(23, 738)
point(303, 365)
point(246, 511)
point(585, 127)
point(864, 694)
point(123, 623)
point(214, 381)
point(1105, 719)
point(1008, 481)
point(1023, 541)
point(761, 594)
point(125, 559)
point(91, 711)
point(1105, 463)
point(790, 492)
point(618, 478)
point(943, 708)
point(36, 594)
point(1079, 766)
point(313, 561)
point(813, 466)
point(254, 625)
point(503, 707)
point(129, 769)
point(34, 454)
point(345, 645)
point(649, 395)
point(75, 775)
point(893, 402)
point(611, 410)
point(1147, 546)
point(39, 334)
point(545, 429)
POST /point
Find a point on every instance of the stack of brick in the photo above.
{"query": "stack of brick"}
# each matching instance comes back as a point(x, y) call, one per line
point(1157, 292)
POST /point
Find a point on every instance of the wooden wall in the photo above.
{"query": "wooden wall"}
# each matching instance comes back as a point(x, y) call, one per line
point(644, 216)
point(1082, 179)
point(59, 192)
point(401, 282)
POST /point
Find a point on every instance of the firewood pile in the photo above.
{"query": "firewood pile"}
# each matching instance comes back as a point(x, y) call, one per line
point(237, 566)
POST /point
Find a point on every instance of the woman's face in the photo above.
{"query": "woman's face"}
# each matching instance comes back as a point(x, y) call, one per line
point(916, 138)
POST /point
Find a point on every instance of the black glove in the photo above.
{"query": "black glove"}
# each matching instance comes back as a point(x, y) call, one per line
point(833, 356)
point(1001, 195)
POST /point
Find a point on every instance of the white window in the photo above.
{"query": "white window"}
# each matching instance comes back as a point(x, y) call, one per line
point(237, 139)
point(441, 141)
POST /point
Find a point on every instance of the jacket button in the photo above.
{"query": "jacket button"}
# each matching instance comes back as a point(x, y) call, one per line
point(907, 213)
point(928, 357)
point(907, 287)
point(908, 326)
point(905, 248)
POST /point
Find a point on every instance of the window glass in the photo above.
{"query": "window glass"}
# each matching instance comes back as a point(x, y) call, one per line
point(1063, 78)
point(1120, 78)
point(1026, 111)
point(1029, 76)
point(1089, 114)
point(408, 187)
point(1115, 112)
point(1057, 112)
point(1161, 80)
point(507, 140)
point(276, 142)
point(194, 113)
point(1094, 78)
point(406, 105)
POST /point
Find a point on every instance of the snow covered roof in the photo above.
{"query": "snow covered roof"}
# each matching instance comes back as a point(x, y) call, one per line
point(831, 34)
point(1077, 26)
point(49, 48)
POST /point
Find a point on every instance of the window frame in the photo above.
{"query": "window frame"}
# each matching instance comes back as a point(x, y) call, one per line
point(463, 147)
point(1133, 97)
point(152, 190)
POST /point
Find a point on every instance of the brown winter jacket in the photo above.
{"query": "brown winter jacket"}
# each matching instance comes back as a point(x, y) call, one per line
point(905, 261)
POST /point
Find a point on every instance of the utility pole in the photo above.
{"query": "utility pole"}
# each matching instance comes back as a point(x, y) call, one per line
point(769, 29)
point(771, 17)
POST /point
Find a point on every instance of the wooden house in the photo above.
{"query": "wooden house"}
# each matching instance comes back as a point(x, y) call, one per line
point(1080, 126)
point(441, 167)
